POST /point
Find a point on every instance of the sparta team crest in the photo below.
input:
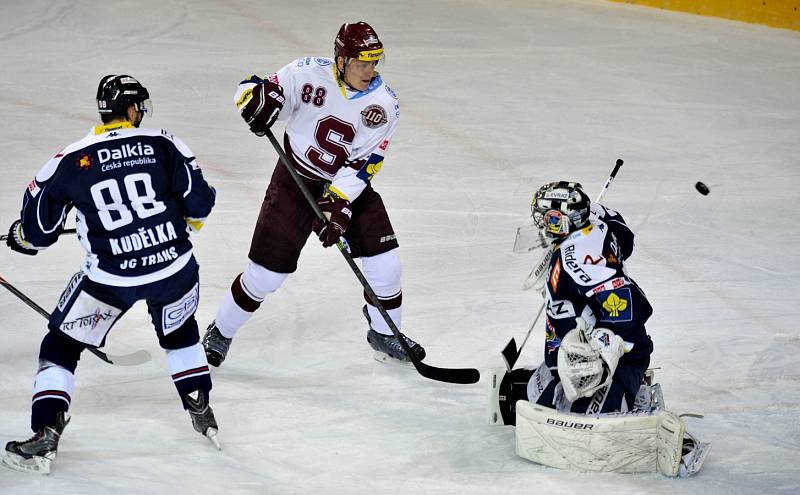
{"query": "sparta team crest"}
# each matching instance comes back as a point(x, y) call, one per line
point(373, 116)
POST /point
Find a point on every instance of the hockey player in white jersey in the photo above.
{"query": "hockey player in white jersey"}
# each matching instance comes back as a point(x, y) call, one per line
point(137, 193)
point(340, 116)
point(588, 405)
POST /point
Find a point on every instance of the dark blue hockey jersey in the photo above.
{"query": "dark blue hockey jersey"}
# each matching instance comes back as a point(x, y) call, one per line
point(586, 278)
point(132, 190)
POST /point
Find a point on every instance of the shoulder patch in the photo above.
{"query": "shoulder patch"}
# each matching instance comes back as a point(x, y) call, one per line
point(617, 305)
point(374, 116)
point(323, 61)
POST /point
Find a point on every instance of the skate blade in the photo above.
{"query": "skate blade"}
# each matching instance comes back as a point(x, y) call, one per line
point(38, 465)
point(382, 357)
point(211, 434)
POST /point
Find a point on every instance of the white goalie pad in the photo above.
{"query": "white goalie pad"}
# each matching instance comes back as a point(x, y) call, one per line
point(621, 443)
point(493, 413)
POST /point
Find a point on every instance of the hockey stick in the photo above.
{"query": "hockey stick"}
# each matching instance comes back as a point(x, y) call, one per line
point(65, 231)
point(137, 358)
point(449, 375)
point(510, 352)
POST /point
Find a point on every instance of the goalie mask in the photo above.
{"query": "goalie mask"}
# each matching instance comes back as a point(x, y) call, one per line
point(116, 93)
point(560, 208)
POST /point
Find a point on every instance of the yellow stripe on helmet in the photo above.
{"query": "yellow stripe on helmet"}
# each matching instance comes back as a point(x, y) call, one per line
point(370, 55)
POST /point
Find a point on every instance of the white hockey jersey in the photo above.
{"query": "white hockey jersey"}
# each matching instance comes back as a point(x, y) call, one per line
point(335, 133)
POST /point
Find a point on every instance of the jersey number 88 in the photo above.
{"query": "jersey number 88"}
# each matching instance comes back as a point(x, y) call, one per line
point(141, 197)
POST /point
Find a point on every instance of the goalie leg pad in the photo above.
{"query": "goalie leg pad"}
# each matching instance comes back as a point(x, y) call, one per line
point(504, 389)
point(614, 443)
point(671, 430)
point(622, 443)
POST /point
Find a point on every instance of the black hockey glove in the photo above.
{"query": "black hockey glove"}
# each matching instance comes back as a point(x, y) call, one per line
point(16, 241)
point(339, 213)
point(263, 108)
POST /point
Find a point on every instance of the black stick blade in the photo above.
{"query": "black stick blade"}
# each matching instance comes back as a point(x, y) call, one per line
point(464, 376)
point(510, 354)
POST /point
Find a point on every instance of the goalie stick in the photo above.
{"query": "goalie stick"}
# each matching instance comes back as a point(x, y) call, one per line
point(134, 359)
point(510, 352)
point(449, 375)
point(65, 231)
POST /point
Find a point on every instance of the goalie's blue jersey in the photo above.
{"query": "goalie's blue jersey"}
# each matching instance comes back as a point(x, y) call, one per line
point(132, 189)
point(586, 277)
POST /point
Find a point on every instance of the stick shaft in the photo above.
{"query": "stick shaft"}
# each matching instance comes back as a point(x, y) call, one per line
point(450, 375)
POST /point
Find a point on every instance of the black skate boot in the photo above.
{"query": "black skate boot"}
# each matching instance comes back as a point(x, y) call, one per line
point(388, 345)
point(216, 345)
point(36, 453)
point(202, 416)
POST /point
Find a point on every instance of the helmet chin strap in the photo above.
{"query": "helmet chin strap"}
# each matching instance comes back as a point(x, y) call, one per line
point(341, 73)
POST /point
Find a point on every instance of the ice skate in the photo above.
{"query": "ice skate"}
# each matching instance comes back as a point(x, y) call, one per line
point(693, 456)
point(36, 453)
point(202, 416)
point(388, 348)
point(216, 345)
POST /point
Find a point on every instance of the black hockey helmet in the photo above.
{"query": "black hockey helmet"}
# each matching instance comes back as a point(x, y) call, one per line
point(560, 208)
point(116, 93)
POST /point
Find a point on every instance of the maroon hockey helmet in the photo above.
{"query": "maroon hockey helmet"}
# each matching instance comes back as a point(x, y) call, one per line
point(359, 41)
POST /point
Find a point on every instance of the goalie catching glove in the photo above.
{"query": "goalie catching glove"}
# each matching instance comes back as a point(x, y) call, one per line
point(338, 213)
point(265, 103)
point(588, 358)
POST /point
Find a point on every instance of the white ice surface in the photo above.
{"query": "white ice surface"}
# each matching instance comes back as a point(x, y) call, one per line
point(497, 98)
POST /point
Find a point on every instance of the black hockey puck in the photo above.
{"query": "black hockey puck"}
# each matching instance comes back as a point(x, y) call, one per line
point(702, 188)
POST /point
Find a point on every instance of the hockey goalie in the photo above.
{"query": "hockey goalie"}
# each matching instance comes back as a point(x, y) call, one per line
point(591, 405)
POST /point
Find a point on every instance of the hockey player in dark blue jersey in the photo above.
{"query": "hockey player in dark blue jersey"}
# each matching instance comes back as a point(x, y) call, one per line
point(596, 348)
point(591, 405)
point(137, 194)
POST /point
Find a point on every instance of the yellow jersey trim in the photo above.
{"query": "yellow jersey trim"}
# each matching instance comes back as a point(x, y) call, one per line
point(102, 129)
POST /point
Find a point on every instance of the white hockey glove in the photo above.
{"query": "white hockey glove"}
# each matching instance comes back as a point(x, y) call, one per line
point(588, 358)
point(610, 346)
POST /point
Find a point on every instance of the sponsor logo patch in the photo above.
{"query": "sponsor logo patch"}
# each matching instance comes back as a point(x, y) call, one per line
point(373, 116)
point(559, 310)
point(569, 424)
point(552, 342)
point(174, 315)
point(89, 320)
point(70, 289)
point(555, 273)
point(614, 283)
